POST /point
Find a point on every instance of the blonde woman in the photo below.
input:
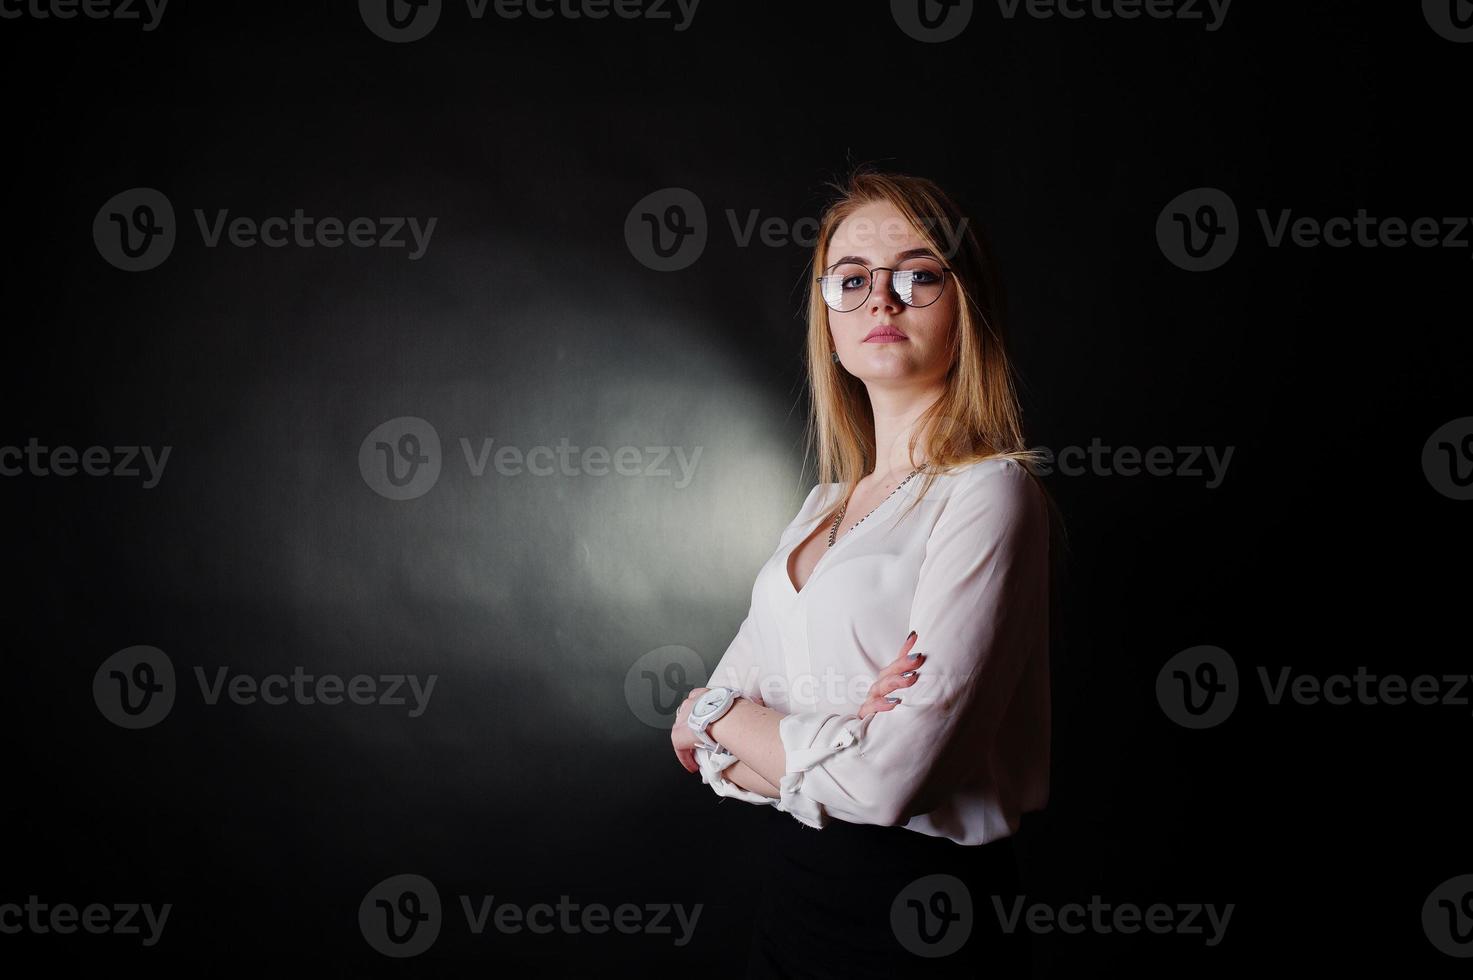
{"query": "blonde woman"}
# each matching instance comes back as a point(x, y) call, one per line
point(886, 700)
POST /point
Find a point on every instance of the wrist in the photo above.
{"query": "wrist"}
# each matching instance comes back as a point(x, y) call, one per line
point(718, 729)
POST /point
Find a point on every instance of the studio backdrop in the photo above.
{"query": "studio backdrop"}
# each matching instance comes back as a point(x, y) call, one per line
point(400, 398)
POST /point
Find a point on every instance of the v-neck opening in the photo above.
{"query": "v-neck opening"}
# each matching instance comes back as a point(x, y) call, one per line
point(788, 558)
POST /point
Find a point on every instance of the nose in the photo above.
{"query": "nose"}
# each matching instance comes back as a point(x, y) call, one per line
point(883, 296)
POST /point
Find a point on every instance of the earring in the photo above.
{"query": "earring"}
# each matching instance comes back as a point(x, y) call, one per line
point(836, 357)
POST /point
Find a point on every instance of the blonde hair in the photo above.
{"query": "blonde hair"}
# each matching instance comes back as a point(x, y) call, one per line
point(979, 416)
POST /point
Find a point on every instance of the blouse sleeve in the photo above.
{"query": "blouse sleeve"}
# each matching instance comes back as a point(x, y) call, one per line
point(741, 668)
point(980, 604)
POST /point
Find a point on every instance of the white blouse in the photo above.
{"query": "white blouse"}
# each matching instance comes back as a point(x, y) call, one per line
point(966, 751)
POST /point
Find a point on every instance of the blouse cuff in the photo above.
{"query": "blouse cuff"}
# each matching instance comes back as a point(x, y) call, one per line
point(713, 763)
point(810, 738)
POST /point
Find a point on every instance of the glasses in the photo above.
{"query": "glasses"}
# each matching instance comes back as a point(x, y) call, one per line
point(917, 281)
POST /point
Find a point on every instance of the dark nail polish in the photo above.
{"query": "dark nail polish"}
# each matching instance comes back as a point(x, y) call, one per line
point(893, 700)
point(909, 673)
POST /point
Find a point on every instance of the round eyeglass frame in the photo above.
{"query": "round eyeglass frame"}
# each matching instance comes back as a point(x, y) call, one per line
point(945, 271)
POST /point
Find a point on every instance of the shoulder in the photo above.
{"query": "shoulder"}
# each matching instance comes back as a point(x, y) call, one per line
point(1000, 474)
point(999, 488)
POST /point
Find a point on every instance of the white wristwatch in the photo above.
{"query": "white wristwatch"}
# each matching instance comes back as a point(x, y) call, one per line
point(708, 709)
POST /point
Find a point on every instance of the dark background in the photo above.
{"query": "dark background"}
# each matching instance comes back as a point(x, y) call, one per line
point(529, 320)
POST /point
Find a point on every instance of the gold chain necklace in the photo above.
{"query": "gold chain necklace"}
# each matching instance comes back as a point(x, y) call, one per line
point(834, 530)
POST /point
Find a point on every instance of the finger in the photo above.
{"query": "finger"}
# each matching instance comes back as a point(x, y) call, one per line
point(900, 665)
point(884, 685)
point(688, 759)
point(874, 706)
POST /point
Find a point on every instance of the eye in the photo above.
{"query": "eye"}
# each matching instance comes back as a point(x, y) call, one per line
point(852, 282)
point(924, 277)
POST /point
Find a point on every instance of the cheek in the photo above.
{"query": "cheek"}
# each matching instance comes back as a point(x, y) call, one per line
point(937, 320)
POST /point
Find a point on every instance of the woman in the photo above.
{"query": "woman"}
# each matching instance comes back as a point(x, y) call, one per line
point(881, 770)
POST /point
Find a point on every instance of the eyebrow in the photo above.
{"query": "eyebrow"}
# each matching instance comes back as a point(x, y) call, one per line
point(907, 254)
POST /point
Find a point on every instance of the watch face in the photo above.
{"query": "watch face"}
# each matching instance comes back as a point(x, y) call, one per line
point(708, 703)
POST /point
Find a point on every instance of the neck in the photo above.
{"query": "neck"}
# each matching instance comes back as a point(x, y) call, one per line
point(895, 411)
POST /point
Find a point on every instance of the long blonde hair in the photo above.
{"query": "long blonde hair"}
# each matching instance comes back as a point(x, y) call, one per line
point(979, 416)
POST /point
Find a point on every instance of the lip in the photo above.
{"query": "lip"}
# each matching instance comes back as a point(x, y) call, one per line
point(885, 333)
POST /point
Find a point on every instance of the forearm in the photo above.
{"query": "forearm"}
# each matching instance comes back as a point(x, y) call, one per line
point(749, 731)
point(748, 779)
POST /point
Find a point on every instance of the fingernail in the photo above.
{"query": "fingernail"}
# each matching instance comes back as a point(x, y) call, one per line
point(910, 636)
point(909, 673)
point(912, 655)
point(893, 700)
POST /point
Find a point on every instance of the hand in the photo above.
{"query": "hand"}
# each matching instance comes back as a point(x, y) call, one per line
point(890, 679)
point(682, 738)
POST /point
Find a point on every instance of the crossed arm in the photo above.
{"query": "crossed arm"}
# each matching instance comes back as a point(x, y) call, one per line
point(749, 729)
point(981, 601)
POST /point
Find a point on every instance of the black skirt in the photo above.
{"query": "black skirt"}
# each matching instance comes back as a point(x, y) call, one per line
point(857, 900)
